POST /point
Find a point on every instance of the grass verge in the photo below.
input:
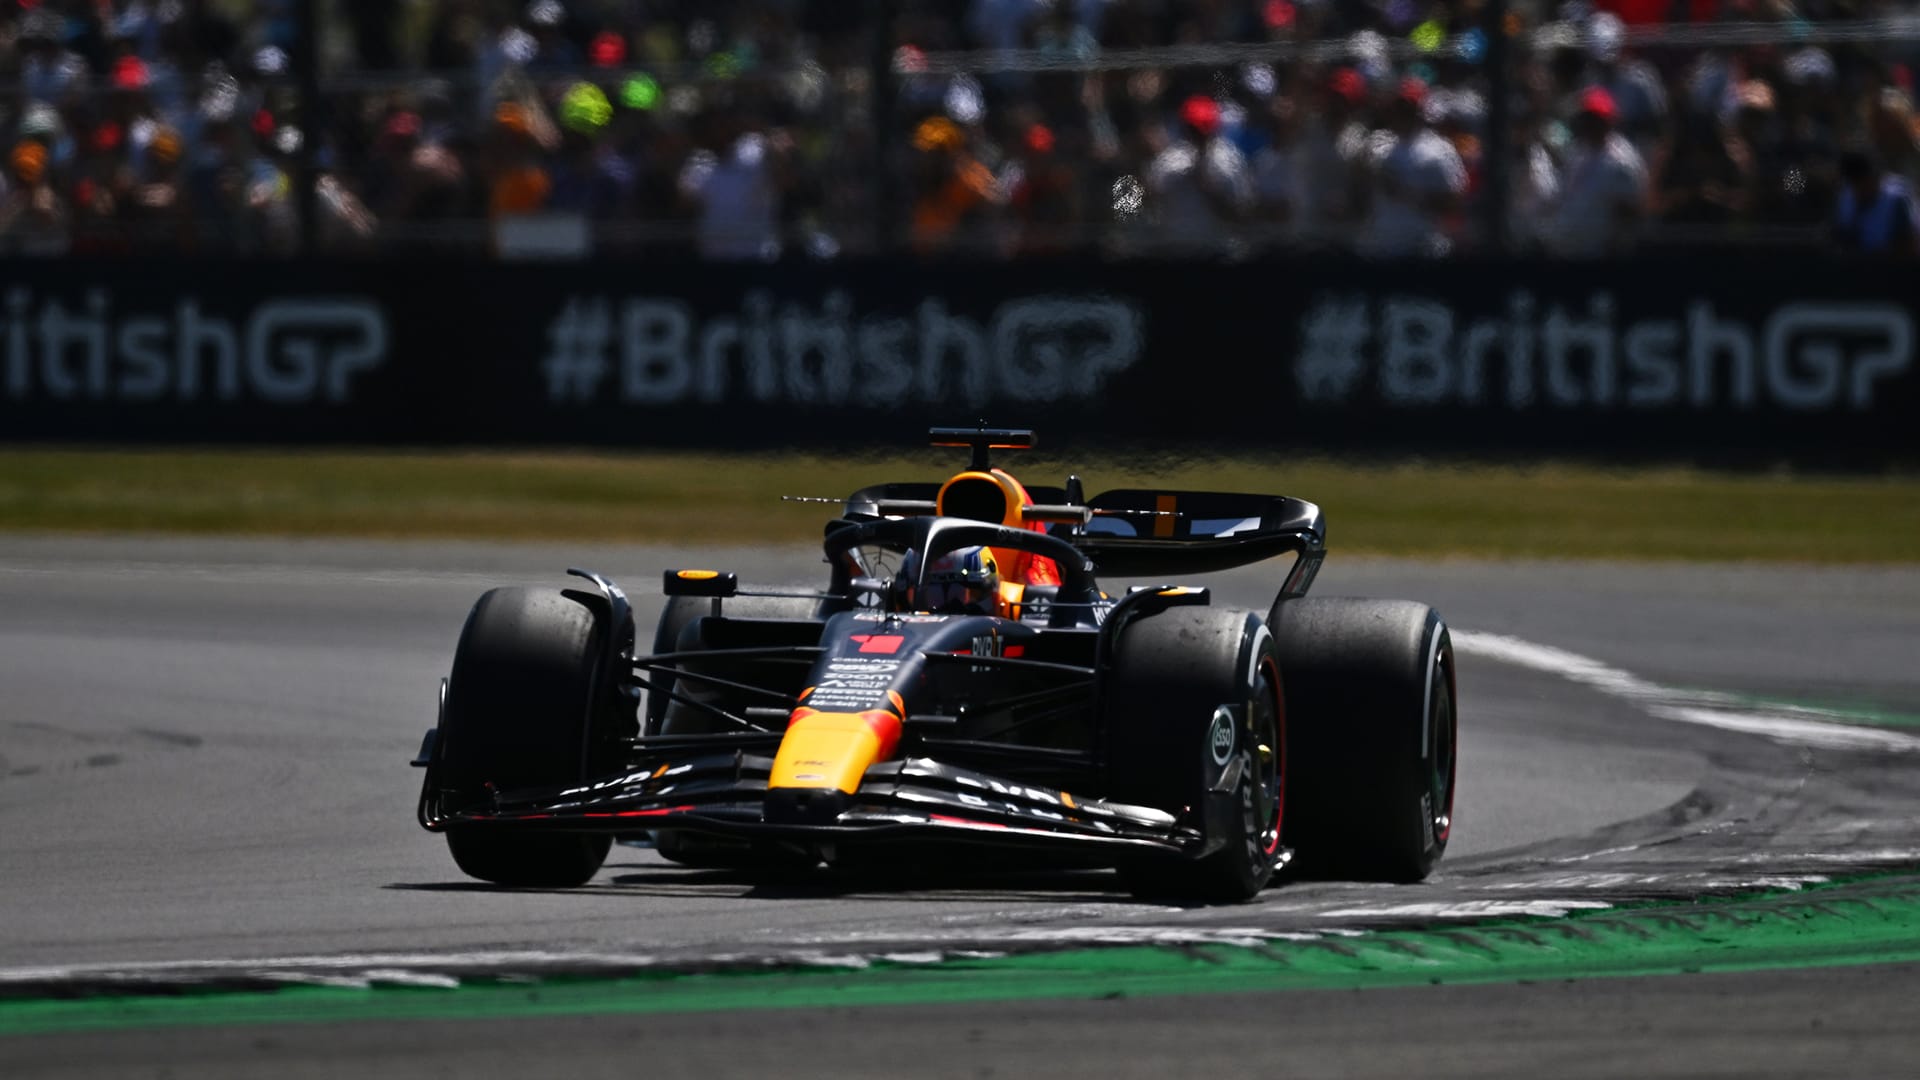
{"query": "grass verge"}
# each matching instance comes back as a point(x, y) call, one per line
point(1415, 508)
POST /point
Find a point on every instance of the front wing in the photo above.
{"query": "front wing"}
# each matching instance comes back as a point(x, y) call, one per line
point(914, 800)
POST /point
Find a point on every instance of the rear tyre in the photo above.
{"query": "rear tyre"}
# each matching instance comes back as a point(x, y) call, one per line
point(1195, 725)
point(1373, 734)
point(521, 711)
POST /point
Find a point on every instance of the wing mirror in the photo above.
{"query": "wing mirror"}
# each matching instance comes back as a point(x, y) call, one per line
point(718, 584)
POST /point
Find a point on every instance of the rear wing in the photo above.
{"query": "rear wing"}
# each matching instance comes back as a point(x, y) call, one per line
point(1147, 533)
point(1138, 532)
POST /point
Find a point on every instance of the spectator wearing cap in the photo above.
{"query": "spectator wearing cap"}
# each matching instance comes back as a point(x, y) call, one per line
point(1198, 185)
point(1043, 197)
point(101, 180)
point(414, 178)
point(33, 216)
point(1331, 148)
point(1637, 90)
point(269, 213)
point(519, 182)
point(1603, 189)
point(1875, 212)
point(736, 189)
point(157, 211)
point(1418, 181)
point(951, 188)
point(591, 177)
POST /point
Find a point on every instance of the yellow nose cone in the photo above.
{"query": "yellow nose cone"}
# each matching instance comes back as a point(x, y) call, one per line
point(832, 750)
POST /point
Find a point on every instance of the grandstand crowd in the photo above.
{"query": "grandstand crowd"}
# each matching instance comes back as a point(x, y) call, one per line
point(747, 129)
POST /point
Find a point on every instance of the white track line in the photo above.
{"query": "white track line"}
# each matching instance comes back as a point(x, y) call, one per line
point(1468, 909)
point(1785, 723)
point(349, 962)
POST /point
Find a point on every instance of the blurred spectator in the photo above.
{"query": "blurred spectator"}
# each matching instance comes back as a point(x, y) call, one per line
point(951, 188)
point(1199, 184)
point(157, 215)
point(591, 176)
point(748, 129)
point(100, 185)
point(736, 189)
point(1603, 191)
point(1705, 180)
point(1332, 143)
point(1754, 145)
point(1278, 180)
point(1635, 86)
point(412, 177)
point(518, 180)
point(33, 218)
point(1418, 180)
point(1535, 183)
point(1894, 130)
point(345, 222)
point(1875, 214)
point(1043, 200)
point(270, 222)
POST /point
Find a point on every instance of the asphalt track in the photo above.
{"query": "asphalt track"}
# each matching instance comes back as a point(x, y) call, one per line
point(202, 768)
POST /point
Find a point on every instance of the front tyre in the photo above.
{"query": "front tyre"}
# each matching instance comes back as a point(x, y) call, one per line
point(524, 710)
point(1195, 724)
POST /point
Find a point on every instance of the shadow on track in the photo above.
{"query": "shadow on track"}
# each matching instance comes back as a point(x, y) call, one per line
point(931, 883)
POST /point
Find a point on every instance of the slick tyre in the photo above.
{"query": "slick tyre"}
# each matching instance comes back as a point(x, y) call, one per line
point(521, 711)
point(1194, 724)
point(1372, 731)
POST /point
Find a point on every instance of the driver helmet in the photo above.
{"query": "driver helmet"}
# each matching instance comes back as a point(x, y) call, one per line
point(963, 580)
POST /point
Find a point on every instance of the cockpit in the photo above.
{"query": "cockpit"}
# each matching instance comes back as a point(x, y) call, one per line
point(946, 565)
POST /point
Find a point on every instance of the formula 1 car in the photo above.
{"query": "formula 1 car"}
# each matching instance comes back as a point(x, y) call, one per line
point(963, 681)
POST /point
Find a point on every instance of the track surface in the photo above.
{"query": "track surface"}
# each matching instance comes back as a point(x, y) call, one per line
point(1853, 1022)
point(203, 745)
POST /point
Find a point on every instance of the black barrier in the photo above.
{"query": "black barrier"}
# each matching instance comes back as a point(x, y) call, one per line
point(1767, 359)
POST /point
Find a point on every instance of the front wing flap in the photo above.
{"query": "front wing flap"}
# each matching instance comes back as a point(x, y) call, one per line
point(911, 800)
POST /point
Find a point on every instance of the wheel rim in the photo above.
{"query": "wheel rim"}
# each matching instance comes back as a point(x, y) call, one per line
point(1442, 730)
point(1263, 793)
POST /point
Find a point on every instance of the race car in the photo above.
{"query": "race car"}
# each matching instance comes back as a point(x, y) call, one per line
point(963, 681)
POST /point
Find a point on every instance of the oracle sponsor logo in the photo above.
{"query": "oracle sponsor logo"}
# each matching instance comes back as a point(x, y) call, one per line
point(1413, 352)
